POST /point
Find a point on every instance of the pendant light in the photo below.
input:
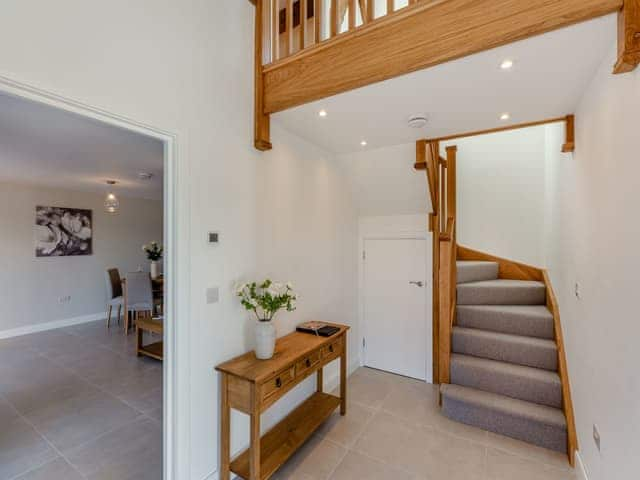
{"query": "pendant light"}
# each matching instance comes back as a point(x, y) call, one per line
point(111, 202)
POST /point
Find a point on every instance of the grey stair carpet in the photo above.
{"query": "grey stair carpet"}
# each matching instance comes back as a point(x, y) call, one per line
point(528, 351)
point(530, 422)
point(475, 271)
point(515, 381)
point(501, 292)
point(529, 320)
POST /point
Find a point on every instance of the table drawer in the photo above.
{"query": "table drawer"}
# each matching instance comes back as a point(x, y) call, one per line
point(278, 382)
point(308, 363)
point(333, 350)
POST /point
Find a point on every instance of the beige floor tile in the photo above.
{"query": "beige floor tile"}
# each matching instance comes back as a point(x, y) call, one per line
point(57, 469)
point(454, 458)
point(132, 452)
point(21, 448)
point(523, 449)
point(357, 466)
point(72, 422)
point(418, 403)
point(344, 430)
point(368, 391)
point(507, 466)
point(316, 460)
point(395, 442)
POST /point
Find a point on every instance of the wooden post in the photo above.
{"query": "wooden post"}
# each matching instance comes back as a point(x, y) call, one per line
point(370, 10)
point(275, 31)
point(262, 133)
point(390, 6)
point(343, 377)
point(317, 20)
point(225, 428)
point(303, 22)
point(352, 14)
point(320, 380)
point(334, 18)
point(628, 37)
point(570, 135)
point(254, 456)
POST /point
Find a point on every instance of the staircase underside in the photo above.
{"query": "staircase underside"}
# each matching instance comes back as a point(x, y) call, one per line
point(504, 361)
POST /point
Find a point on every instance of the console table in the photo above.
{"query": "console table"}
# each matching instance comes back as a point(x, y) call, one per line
point(252, 386)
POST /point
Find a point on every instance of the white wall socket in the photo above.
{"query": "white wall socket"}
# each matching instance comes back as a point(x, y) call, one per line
point(65, 299)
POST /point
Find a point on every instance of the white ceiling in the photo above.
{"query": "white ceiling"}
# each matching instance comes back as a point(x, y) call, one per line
point(549, 75)
point(46, 146)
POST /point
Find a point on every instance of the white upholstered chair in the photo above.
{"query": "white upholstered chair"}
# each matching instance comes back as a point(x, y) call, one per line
point(138, 296)
point(115, 297)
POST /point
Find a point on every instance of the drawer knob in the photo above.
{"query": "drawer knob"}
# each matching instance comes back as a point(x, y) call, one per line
point(278, 382)
point(308, 362)
point(331, 348)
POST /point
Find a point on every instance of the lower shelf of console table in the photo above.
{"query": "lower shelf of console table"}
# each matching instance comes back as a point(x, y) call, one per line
point(252, 386)
point(279, 443)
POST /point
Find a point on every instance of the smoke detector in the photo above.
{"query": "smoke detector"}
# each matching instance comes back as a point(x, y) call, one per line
point(145, 175)
point(417, 121)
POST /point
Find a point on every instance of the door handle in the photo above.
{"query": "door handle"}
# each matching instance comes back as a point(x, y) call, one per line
point(417, 284)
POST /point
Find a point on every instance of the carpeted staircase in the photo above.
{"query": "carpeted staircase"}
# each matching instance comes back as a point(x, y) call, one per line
point(504, 359)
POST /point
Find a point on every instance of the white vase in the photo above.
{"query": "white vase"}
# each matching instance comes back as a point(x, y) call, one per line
point(154, 269)
point(265, 340)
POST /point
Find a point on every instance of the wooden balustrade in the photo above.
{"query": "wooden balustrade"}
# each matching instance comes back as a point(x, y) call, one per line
point(291, 26)
point(441, 181)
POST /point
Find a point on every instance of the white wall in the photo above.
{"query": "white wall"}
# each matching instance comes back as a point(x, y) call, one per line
point(33, 285)
point(501, 189)
point(501, 193)
point(186, 68)
point(593, 237)
point(307, 234)
point(384, 181)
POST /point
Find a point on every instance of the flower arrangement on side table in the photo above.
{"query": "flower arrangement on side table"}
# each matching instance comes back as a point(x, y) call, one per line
point(265, 300)
point(154, 254)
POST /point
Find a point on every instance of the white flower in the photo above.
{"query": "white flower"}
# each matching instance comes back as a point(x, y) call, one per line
point(253, 302)
point(240, 288)
point(290, 285)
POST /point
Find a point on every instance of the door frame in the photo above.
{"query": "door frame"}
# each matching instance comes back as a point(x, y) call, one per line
point(395, 235)
point(175, 394)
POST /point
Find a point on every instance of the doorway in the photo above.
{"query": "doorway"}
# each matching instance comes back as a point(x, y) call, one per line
point(397, 307)
point(80, 371)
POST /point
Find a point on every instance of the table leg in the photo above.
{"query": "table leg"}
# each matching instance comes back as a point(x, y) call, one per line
point(225, 430)
point(343, 378)
point(320, 380)
point(254, 447)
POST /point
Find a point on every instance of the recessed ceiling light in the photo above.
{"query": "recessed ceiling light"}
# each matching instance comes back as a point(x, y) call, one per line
point(145, 175)
point(363, 143)
point(322, 113)
point(506, 64)
point(505, 116)
point(418, 120)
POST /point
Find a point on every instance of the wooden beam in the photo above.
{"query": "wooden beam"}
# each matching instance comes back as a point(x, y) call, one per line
point(422, 35)
point(570, 134)
point(628, 37)
point(262, 121)
point(498, 129)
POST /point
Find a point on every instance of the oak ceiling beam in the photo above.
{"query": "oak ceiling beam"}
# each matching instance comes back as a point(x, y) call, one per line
point(422, 35)
point(628, 37)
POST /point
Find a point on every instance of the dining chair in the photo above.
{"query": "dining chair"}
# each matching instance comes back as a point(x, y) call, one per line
point(115, 297)
point(138, 296)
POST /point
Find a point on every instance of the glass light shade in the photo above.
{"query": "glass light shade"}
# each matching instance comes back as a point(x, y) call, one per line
point(111, 203)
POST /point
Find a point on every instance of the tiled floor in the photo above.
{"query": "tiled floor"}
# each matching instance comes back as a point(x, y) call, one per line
point(76, 403)
point(394, 431)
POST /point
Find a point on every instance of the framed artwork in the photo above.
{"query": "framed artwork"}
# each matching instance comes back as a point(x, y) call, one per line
point(63, 232)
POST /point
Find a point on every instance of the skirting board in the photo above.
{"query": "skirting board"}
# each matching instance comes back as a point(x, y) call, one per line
point(581, 470)
point(41, 327)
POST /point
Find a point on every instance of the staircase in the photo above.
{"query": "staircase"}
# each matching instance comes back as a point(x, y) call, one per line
point(504, 358)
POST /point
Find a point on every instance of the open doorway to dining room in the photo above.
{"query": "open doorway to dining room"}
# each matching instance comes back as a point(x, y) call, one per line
point(83, 216)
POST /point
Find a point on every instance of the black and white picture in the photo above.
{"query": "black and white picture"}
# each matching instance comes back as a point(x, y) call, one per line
point(62, 232)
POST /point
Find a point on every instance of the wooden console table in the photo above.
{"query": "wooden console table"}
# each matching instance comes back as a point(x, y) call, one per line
point(251, 386)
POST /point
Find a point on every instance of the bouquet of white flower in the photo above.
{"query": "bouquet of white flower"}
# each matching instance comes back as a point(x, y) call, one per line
point(153, 251)
point(267, 298)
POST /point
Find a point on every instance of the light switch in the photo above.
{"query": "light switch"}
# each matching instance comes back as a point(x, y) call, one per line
point(213, 295)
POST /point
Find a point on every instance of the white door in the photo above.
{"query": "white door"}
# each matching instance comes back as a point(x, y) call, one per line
point(397, 307)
